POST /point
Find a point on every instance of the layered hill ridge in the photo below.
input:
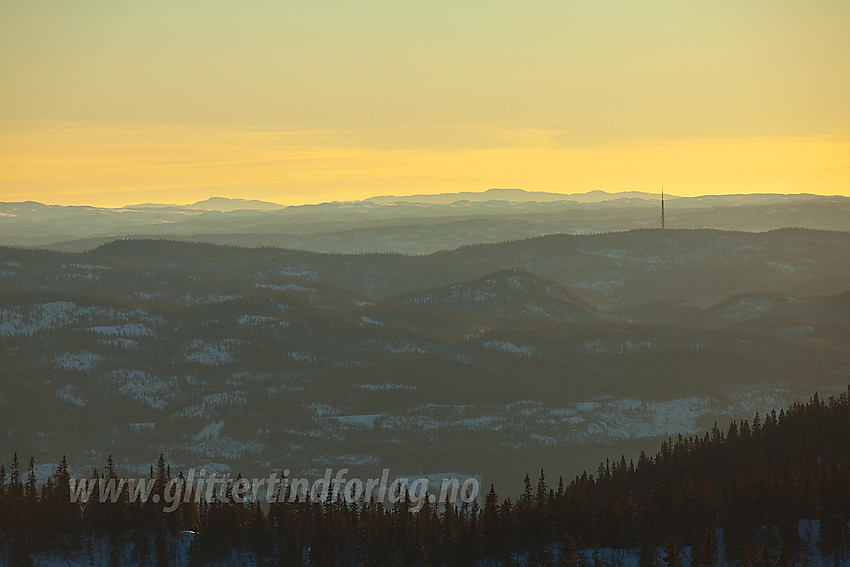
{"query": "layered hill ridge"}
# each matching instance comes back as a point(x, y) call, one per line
point(555, 348)
point(415, 225)
point(611, 271)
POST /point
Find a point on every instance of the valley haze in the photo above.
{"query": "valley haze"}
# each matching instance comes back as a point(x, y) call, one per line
point(420, 224)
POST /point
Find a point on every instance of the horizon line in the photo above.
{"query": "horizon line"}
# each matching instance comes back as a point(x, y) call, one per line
point(411, 196)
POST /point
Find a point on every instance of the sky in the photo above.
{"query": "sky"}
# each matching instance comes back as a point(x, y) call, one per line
point(114, 102)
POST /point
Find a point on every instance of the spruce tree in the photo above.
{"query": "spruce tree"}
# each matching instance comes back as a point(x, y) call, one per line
point(568, 554)
point(491, 524)
point(707, 550)
point(670, 556)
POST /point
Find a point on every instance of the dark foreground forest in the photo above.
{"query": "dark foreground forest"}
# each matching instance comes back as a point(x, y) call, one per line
point(771, 491)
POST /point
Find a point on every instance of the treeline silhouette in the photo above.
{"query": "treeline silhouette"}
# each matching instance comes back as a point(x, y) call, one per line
point(743, 493)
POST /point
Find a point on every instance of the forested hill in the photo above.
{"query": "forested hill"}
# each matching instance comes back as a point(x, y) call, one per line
point(547, 353)
point(757, 481)
point(771, 491)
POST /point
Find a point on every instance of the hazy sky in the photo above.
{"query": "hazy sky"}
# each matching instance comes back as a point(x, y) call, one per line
point(115, 102)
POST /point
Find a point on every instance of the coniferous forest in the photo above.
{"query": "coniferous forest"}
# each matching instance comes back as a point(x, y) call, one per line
point(771, 491)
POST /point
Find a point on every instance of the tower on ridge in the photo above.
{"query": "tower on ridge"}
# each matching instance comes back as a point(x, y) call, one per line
point(662, 208)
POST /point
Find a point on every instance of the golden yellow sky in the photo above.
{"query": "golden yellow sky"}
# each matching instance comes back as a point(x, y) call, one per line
point(117, 102)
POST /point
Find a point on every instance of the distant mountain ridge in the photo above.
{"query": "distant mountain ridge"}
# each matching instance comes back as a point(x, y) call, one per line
point(406, 225)
point(228, 204)
point(224, 204)
point(520, 195)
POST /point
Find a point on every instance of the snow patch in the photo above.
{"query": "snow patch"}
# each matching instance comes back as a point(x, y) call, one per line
point(39, 317)
point(69, 394)
point(128, 330)
point(149, 390)
point(190, 299)
point(302, 357)
point(212, 354)
point(80, 362)
point(365, 421)
point(510, 348)
point(385, 387)
point(405, 348)
point(210, 432)
point(252, 319)
point(286, 287)
point(119, 342)
point(618, 347)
